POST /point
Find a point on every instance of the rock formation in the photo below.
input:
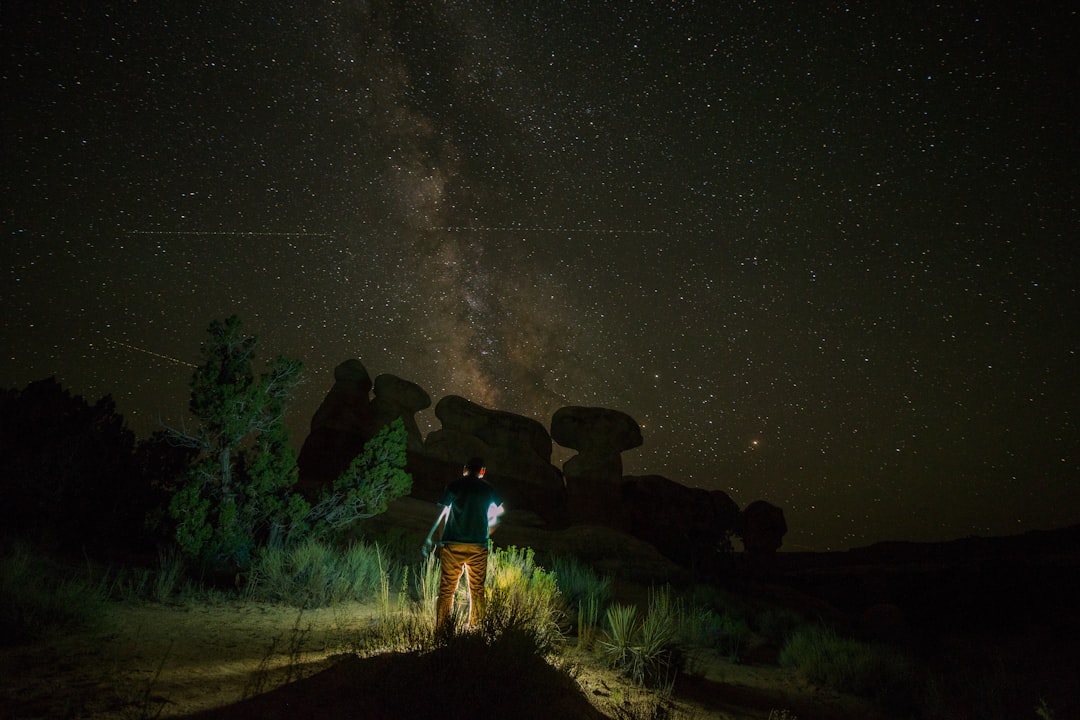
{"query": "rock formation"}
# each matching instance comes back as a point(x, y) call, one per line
point(762, 528)
point(689, 525)
point(396, 398)
point(593, 475)
point(516, 449)
point(348, 417)
point(340, 427)
point(599, 435)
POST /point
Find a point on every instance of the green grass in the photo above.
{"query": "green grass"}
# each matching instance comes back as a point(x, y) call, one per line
point(39, 599)
point(586, 594)
point(578, 581)
point(315, 574)
point(725, 632)
point(872, 671)
point(587, 615)
point(162, 583)
point(777, 624)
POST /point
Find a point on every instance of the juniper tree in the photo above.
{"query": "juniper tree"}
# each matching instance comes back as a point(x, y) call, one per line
point(238, 494)
point(375, 478)
point(239, 486)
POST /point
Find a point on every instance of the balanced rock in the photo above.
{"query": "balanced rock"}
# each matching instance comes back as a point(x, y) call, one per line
point(599, 436)
point(594, 429)
point(495, 428)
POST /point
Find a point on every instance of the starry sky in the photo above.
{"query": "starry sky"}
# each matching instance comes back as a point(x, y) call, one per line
point(823, 252)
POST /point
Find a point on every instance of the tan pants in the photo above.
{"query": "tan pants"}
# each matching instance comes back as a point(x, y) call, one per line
point(455, 558)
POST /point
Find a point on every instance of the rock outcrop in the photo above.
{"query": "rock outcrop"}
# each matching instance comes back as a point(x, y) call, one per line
point(600, 435)
point(516, 450)
point(340, 427)
point(396, 398)
point(593, 475)
point(762, 528)
point(348, 417)
point(689, 525)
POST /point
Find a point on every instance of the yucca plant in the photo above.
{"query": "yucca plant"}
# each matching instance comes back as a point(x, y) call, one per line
point(657, 646)
point(620, 646)
point(644, 649)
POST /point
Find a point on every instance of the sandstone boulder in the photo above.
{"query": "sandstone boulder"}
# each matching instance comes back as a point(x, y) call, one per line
point(495, 428)
point(594, 429)
point(347, 405)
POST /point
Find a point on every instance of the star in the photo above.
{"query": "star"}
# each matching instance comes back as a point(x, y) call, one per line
point(849, 231)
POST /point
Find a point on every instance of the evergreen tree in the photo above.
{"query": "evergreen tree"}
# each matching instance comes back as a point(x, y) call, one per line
point(238, 494)
point(238, 489)
point(374, 479)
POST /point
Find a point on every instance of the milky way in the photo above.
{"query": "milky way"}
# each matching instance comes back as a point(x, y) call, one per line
point(823, 253)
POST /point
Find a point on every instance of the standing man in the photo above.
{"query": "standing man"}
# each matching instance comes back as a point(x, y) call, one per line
point(470, 513)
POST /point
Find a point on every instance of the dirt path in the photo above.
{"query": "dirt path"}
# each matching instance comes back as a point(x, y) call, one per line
point(173, 659)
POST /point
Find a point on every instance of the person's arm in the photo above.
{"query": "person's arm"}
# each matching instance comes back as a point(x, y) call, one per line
point(494, 516)
point(437, 527)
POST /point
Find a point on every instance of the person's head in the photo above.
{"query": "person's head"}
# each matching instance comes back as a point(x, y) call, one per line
point(474, 467)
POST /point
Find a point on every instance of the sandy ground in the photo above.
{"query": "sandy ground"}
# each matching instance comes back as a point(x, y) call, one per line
point(171, 661)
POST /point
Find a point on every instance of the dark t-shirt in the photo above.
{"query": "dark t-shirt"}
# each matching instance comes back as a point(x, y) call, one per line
point(468, 499)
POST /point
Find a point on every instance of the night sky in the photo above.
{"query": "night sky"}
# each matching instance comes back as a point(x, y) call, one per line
point(825, 253)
